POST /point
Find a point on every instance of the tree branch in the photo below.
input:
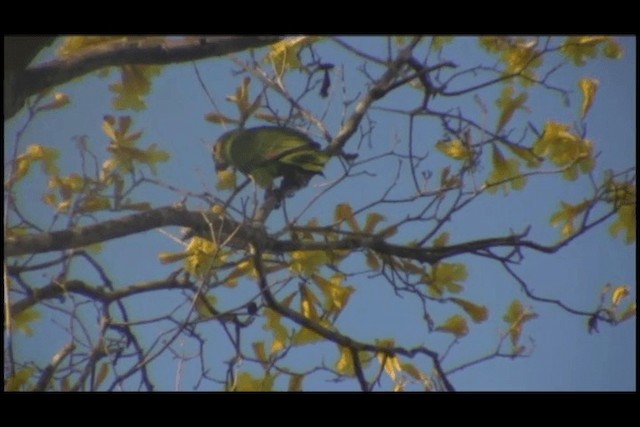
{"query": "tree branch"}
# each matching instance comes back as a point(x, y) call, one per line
point(335, 336)
point(201, 222)
point(121, 52)
point(239, 235)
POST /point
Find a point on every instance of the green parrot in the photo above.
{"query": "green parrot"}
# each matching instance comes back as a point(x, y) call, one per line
point(268, 152)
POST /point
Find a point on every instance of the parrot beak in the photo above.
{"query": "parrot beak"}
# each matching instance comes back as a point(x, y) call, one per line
point(218, 159)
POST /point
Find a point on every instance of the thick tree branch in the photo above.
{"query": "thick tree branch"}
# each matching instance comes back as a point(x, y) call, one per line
point(48, 372)
point(95, 293)
point(238, 235)
point(204, 223)
point(154, 51)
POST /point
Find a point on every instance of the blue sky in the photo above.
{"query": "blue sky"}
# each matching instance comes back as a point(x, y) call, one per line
point(564, 356)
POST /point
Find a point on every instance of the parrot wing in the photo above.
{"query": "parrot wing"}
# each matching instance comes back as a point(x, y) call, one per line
point(270, 151)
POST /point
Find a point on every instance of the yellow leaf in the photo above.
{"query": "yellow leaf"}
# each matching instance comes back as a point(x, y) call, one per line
point(205, 305)
point(344, 212)
point(444, 277)
point(478, 313)
point(456, 149)
point(344, 365)
point(412, 370)
point(589, 87)
point(516, 316)
point(169, 257)
point(612, 49)
point(249, 110)
point(21, 320)
point(438, 42)
point(258, 349)
point(280, 335)
point(108, 127)
point(284, 54)
point(372, 260)
point(418, 375)
point(411, 268)
point(305, 336)
point(519, 54)
point(578, 48)
point(628, 312)
point(59, 100)
point(295, 382)
point(218, 209)
point(525, 154)
point(204, 255)
point(620, 193)
point(455, 325)
point(385, 342)
point(336, 295)
point(567, 215)
point(514, 312)
point(20, 380)
point(102, 374)
point(243, 268)
point(226, 180)
point(618, 294)
point(35, 153)
point(388, 232)
point(246, 382)
point(494, 44)
point(372, 220)
point(508, 104)
point(506, 172)
point(391, 364)
point(94, 204)
point(307, 262)
point(74, 45)
point(219, 119)
point(441, 240)
point(135, 84)
point(626, 221)
point(308, 302)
